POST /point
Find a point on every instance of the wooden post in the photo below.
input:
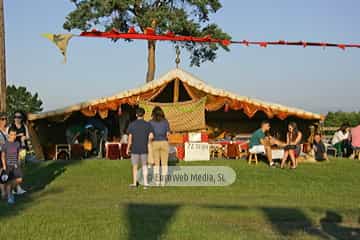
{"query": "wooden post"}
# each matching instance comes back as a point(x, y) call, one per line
point(176, 90)
point(2, 60)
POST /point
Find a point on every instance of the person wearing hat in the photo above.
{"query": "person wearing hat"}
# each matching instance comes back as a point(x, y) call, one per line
point(3, 140)
point(22, 132)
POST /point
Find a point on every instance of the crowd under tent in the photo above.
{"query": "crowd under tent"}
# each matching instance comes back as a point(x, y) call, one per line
point(189, 103)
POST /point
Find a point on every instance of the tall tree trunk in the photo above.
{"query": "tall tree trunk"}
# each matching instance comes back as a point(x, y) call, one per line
point(2, 60)
point(151, 61)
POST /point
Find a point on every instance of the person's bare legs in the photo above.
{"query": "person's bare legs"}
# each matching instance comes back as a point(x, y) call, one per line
point(134, 172)
point(9, 187)
point(293, 158)
point(269, 154)
point(164, 154)
point(156, 159)
point(145, 174)
point(283, 161)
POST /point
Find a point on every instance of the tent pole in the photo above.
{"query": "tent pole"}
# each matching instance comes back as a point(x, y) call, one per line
point(176, 90)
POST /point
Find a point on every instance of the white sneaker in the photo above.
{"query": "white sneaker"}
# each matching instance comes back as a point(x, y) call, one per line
point(20, 191)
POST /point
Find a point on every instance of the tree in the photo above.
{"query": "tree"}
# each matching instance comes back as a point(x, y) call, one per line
point(20, 99)
point(2, 60)
point(335, 119)
point(183, 17)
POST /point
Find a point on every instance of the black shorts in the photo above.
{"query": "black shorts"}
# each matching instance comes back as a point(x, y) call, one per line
point(290, 147)
point(14, 173)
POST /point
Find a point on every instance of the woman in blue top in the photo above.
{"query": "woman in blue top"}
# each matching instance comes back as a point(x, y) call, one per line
point(160, 145)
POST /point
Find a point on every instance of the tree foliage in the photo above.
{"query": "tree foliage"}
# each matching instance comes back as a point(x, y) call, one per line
point(335, 119)
point(20, 99)
point(183, 17)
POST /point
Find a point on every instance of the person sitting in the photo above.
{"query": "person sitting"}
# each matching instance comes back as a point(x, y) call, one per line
point(340, 138)
point(258, 143)
point(319, 148)
point(292, 148)
point(101, 132)
point(355, 140)
point(73, 132)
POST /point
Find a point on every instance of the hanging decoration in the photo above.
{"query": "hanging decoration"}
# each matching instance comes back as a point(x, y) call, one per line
point(62, 40)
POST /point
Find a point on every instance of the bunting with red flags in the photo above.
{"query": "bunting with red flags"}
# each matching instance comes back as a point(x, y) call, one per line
point(150, 34)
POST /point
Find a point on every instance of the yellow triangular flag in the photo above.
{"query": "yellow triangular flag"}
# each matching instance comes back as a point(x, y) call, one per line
point(60, 40)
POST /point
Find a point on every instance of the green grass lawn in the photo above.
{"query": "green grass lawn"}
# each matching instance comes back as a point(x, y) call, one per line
point(91, 200)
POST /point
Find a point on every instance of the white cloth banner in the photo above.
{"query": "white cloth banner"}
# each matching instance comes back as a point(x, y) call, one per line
point(197, 152)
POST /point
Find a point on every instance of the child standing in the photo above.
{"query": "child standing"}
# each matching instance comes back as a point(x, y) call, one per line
point(11, 164)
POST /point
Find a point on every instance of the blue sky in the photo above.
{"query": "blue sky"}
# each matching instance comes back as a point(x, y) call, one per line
point(313, 79)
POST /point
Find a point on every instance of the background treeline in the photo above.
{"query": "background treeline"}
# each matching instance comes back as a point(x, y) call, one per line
point(335, 119)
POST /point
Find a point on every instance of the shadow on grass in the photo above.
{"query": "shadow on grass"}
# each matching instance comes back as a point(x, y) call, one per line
point(331, 224)
point(149, 221)
point(37, 177)
point(288, 221)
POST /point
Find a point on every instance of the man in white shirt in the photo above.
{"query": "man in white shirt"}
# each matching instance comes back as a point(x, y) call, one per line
point(339, 138)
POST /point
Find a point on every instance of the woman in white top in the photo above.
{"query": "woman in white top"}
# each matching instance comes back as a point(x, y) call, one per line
point(340, 137)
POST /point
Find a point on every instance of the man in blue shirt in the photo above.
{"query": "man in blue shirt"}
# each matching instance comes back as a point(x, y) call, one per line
point(140, 133)
point(258, 143)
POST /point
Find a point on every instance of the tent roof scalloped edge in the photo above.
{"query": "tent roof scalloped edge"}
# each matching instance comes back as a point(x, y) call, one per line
point(166, 78)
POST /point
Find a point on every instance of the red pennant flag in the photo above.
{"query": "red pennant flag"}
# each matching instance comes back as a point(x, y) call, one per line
point(225, 42)
point(263, 44)
point(132, 30)
point(149, 31)
point(170, 34)
point(114, 31)
point(341, 46)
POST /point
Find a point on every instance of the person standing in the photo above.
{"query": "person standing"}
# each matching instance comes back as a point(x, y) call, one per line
point(123, 120)
point(140, 133)
point(22, 132)
point(340, 138)
point(3, 140)
point(22, 137)
point(160, 145)
point(11, 164)
point(292, 148)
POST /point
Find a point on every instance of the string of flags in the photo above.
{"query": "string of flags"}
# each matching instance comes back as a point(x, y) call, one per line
point(62, 40)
